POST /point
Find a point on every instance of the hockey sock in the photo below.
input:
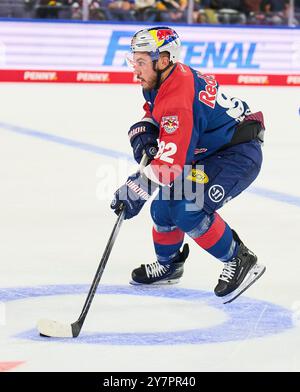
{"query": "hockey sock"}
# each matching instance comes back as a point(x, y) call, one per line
point(167, 243)
point(218, 239)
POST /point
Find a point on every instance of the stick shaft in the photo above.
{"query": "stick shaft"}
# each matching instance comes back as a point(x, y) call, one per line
point(143, 163)
point(76, 326)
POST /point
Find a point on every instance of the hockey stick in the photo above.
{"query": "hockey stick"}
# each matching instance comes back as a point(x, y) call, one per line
point(51, 328)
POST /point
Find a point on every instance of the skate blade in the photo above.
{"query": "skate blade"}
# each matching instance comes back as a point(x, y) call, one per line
point(158, 283)
point(253, 275)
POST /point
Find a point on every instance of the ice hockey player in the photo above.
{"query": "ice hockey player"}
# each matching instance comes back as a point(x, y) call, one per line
point(204, 149)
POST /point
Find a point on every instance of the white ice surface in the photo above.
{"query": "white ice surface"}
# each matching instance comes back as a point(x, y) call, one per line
point(54, 228)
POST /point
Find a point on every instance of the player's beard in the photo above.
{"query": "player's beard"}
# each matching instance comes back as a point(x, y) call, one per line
point(150, 83)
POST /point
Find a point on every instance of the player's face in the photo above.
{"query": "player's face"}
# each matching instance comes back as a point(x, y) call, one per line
point(143, 69)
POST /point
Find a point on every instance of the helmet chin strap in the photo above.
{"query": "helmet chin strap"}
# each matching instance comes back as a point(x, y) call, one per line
point(159, 73)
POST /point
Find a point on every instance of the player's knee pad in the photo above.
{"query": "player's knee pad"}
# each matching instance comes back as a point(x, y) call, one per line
point(160, 213)
point(202, 227)
point(189, 217)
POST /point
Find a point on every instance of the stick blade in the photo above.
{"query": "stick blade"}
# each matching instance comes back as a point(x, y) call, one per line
point(55, 329)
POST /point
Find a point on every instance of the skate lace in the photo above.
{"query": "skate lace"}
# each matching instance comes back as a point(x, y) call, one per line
point(228, 271)
point(155, 269)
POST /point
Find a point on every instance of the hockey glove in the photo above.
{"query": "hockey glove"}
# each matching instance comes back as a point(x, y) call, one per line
point(143, 139)
point(133, 195)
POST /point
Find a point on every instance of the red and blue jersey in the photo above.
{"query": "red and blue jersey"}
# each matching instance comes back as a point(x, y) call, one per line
point(195, 119)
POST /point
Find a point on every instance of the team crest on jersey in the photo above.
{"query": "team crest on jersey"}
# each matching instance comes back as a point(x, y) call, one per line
point(170, 123)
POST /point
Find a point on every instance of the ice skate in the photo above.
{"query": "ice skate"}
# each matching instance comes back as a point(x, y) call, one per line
point(156, 273)
point(238, 274)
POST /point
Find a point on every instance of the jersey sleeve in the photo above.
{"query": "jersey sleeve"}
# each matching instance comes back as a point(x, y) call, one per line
point(174, 113)
point(175, 139)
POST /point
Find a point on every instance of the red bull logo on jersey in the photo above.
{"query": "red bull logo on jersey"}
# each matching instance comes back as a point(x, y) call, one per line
point(163, 36)
point(209, 95)
point(169, 123)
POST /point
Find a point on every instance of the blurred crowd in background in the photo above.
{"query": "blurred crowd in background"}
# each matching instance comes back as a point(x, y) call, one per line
point(243, 12)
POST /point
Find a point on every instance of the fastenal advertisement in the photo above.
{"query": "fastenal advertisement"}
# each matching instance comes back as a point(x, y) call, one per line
point(94, 53)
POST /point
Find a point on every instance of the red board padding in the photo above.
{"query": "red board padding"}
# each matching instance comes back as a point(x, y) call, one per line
point(112, 77)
